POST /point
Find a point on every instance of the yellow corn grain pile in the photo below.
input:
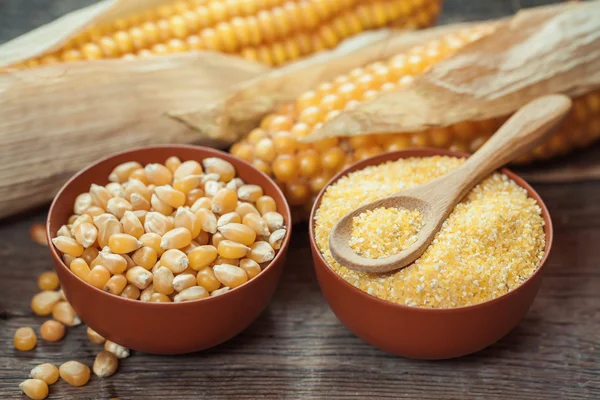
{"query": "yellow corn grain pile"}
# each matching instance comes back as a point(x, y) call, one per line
point(269, 31)
point(302, 169)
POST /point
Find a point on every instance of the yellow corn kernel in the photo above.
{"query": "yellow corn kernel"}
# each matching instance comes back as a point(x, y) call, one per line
point(235, 184)
point(52, 331)
point(224, 169)
point(107, 229)
point(193, 196)
point(261, 252)
point(184, 218)
point(100, 196)
point(114, 263)
point(132, 225)
point(152, 240)
point(118, 350)
point(130, 262)
point(64, 231)
point(250, 193)
point(163, 280)
point(220, 291)
point(115, 284)
point(122, 172)
point(186, 184)
point(172, 163)
point(115, 189)
point(224, 201)
point(222, 260)
point(43, 302)
point(206, 278)
point(158, 174)
point(82, 202)
point(212, 187)
point(94, 336)
point(160, 206)
point(202, 256)
point(246, 208)
point(25, 339)
point(230, 275)
point(238, 233)
point(98, 276)
point(48, 281)
point(177, 238)
point(257, 224)
point(231, 217)
point(203, 202)
point(264, 204)
point(105, 364)
point(170, 196)
point(46, 372)
point(207, 220)
point(75, 373)
point(139, 277)
point(183, 281)
point(159, 298)
point(231, 249)
point(188, 168)
point(122, 243)
point(94, 211)
point(80, 268)
point(67, 259)
point(276, 238)
point(100, 219)
point(157, 223)
point(274, 220)
point(202, 239)
point(176, 260)
point(145, 257)
point(37, 232)
point(69, 245)
point(63, 312)
point(131, 292)
point(251, 267)
point(35, 389)
point(147, 293)
point(135, 186)
point(190, 294)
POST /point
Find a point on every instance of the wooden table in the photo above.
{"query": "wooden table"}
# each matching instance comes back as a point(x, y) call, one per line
point(298, 349)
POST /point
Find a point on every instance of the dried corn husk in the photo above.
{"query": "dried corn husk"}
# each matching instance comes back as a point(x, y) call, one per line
point(57, 119)
point(54, 35)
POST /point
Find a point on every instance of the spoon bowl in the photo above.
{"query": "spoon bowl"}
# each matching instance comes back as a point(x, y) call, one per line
point(435, 200)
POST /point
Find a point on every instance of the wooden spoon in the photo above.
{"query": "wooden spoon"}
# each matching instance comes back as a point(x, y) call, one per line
point(529, 126)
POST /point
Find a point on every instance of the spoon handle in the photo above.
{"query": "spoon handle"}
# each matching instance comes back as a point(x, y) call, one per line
point(522, 132)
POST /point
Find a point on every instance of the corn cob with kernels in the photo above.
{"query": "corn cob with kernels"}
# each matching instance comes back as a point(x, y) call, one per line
point(302, 169)
point(269, 31)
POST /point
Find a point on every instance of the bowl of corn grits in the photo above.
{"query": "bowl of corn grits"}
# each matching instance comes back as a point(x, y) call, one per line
point(169, 249)
point(472, 285)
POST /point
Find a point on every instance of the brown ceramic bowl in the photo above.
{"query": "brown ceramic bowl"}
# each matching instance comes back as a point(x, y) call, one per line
point(423, 332)
point(166, 328)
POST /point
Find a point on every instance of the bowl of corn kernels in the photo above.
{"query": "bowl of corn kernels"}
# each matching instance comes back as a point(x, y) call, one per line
point(169, 249)
point(471, 286)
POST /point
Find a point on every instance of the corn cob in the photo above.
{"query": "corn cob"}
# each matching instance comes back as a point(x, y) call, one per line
point(269, 31)
point(302, 169)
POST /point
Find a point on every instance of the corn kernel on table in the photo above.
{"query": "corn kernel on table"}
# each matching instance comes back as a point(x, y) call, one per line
point(297, 348)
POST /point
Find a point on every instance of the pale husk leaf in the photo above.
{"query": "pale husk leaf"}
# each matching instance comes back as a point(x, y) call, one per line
point(54, 35)
point(232, 117)
point(544, 50)
point(55, 120)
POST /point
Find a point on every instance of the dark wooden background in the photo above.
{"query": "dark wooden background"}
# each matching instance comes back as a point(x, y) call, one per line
point(297, 348)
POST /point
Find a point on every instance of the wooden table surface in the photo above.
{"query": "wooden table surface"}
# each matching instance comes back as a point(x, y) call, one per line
point(297, 348)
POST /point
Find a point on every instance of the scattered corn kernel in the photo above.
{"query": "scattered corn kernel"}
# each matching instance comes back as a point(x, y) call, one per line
point(35, 389)
point(43, 302)
point(38, 234)
point(105, 364)
point(116, 349)
point(94, 336)
point(25, 339)
point(52, 331)
point(63, 312)
point(75, 373)
point(48, 281)
point(46, 372)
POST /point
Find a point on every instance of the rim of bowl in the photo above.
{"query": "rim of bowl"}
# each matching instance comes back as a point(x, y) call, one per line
point(430, 152)
point(209, 152)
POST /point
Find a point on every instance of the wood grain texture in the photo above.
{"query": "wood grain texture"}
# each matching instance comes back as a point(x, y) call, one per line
point(298, 349)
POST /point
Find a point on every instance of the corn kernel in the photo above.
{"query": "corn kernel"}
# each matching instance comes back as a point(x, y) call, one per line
point(147, 293)
point(105, 364)
point(94, 336)
point(219, 166)
point(175, 260)
point(82, 203)
point(202, 256)
point(230, 275)
point(157, 223)
point(159, 298)
point(251, 267)
point(239, 233)
point(52, 331)
point(173, 163)
point(261, 252)
point(145, 257)
point(24, 339)
point(90, 254)
point(100, 196)
point(138, 188)
point(220, 291)
point(190, 294)
point(224, 201)
point(177, 238)
point(207, 220)
point(46, 372)
point(203, 202)
point(158, 174)
point(107, 229)
point(132, 225)
point(257, 224)
point(206, 278)
point(48, 281)
point(274, 220)
point(122, 243)
point(68, 246)
point(118, 350)
point(123, 171)
point(231, 249)
point(231, 217)
point(276, 238)
point(63, 312)
point(163, 280)
point(80, 268)
point(188, 168)
point(264, 204)
point(43, 302)
point(35, 389)
point(131, 292)
point(246, 208)
point(115, 284)
point(75, 373)
point(183, 281)
point(139, 277)
point(114, 263)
